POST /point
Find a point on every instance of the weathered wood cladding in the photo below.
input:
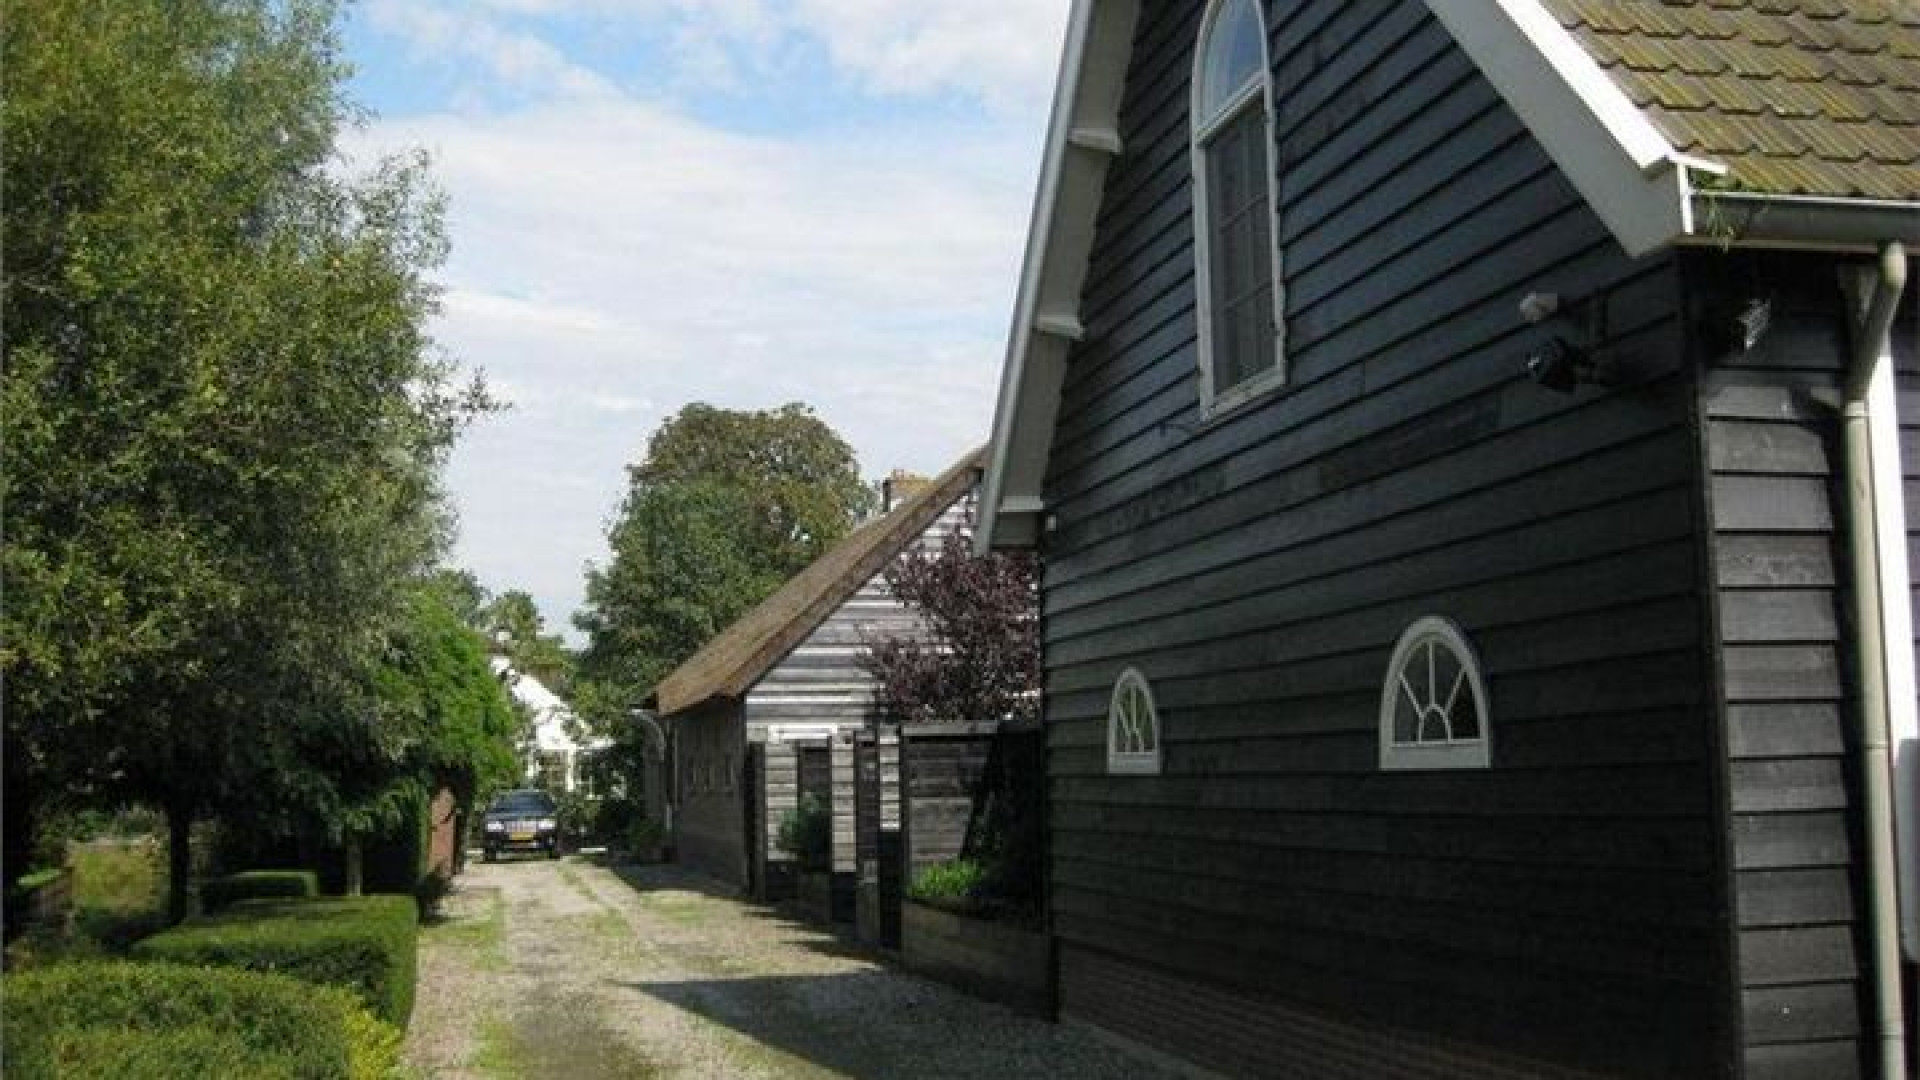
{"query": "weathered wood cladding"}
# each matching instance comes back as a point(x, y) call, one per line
point(1564, 905)
point(877, 836)
point(820, 687)
point(820, 681)
point(1780, 567)
point(780, 787)
point(709, 831)
point(940, 773)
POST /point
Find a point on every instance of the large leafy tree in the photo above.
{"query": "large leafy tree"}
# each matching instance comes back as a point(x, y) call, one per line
point(224, 419)
point(726, 507)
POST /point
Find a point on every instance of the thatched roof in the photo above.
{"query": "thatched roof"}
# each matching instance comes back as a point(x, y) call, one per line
point(741, 654)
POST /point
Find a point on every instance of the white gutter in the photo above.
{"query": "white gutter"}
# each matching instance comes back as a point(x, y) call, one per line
point(1808, 222)
point(1884, 653)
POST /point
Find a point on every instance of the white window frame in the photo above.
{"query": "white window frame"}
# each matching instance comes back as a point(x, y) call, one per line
point(1204, 128)
point(1138, 763)
point(1475, 753)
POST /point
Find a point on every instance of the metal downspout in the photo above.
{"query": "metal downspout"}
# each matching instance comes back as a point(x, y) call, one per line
point(1869, 405)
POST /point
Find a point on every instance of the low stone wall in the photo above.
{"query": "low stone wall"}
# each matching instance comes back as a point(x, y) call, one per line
point(993, 960)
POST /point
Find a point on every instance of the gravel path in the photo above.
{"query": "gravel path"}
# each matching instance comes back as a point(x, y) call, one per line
point(570, 970)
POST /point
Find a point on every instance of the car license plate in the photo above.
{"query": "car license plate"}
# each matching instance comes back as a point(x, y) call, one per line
point(518, 835)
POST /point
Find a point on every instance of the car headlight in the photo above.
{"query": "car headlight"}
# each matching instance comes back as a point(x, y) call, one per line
point(545, 824)
point(496, 826)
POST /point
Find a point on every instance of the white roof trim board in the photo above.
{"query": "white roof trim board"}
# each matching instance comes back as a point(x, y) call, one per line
point(1625, 169)
point(1082, 137)
point(1638, 183)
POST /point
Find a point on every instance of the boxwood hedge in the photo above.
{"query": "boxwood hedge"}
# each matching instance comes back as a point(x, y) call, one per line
point(164, 1022)
point(258, 884)
point(365, 944)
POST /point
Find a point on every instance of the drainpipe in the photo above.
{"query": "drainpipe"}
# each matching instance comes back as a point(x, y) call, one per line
point(1871, 419)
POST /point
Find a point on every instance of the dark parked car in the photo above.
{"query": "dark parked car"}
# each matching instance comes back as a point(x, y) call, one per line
point(521, 821)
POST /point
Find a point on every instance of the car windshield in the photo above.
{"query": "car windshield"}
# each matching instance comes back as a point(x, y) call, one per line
point(522, 802)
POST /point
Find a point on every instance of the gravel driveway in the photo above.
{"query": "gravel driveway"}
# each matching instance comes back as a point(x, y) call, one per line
point(567, 969)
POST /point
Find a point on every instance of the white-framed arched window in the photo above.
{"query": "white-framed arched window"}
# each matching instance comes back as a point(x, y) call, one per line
point(1133, 726)
point(1235, 224)
point(1434, 705)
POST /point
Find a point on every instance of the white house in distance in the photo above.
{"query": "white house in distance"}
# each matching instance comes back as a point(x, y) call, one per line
point(556, 757)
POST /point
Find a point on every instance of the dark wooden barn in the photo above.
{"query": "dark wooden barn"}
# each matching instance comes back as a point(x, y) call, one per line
point(769, 709)
point(1464, 442)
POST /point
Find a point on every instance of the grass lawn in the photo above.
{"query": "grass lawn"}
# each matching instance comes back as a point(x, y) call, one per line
point(119, 896)
point(118, 878)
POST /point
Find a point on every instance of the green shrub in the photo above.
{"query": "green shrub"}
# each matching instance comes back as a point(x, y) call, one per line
point(953, 880)
point(806, 832)
point(258, 884)
point(163, 1022)
point(365, 944)
point(645, 837)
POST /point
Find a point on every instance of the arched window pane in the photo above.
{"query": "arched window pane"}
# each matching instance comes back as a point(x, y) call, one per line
point(1233, 55)
point(1133, 726)
point(1433, 706)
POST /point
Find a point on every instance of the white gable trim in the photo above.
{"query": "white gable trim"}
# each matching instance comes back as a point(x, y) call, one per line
point(1623, 167)
point(1082, 138)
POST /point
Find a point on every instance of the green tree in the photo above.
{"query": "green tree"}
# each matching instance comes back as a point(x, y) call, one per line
point(224, 418)
point(726, 507)
point(515, 627)
point(441, 720)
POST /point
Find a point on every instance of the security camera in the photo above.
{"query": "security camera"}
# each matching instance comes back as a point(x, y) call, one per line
point(1559, 365)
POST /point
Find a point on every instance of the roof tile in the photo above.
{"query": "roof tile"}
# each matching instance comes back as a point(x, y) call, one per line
point(1796, 97)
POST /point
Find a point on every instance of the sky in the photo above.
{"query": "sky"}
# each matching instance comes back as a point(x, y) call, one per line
point(741, 202)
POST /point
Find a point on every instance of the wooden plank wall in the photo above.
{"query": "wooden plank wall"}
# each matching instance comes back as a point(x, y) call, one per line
point(782, 788)
point(845, 857)
point(1564, 905)
point(820, 681)
point(940, 774)
point(708, 827)
point(1780, 562)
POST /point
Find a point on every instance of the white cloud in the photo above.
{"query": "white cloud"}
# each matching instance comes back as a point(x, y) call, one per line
point(1003, 51)
point(614, 258)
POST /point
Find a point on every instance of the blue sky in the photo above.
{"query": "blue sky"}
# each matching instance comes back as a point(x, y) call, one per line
point(743, 202)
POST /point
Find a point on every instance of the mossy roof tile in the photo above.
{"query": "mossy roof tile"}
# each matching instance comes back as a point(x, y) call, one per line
point(1796, 97)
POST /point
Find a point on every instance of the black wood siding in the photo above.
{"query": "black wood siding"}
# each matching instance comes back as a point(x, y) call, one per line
point(1785, 627)
point(1564, 907)
point(709, 828)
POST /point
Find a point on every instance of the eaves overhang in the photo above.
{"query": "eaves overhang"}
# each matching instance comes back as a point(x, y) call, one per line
point(1650, 194)
point(1083, 137)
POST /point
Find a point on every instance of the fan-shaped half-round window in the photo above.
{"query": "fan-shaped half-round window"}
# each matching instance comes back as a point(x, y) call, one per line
point(1237, 258)
point(1133, 726)
point(1433, 708)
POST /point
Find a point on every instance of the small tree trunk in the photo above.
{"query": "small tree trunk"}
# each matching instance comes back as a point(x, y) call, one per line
point(355, 878)
point(179, 860)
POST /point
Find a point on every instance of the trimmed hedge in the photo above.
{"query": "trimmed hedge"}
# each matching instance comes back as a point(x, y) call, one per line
point(163, 1022)
point(258, 884)
point(365, 944)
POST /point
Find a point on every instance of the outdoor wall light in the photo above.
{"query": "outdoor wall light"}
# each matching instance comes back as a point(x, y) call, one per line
point(1560, 366)
point(1735, 328)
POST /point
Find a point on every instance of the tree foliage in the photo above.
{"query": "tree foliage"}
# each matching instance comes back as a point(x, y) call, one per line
point(516, 630)
point(224, 418)
point(726, 507)
point(980, 657)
